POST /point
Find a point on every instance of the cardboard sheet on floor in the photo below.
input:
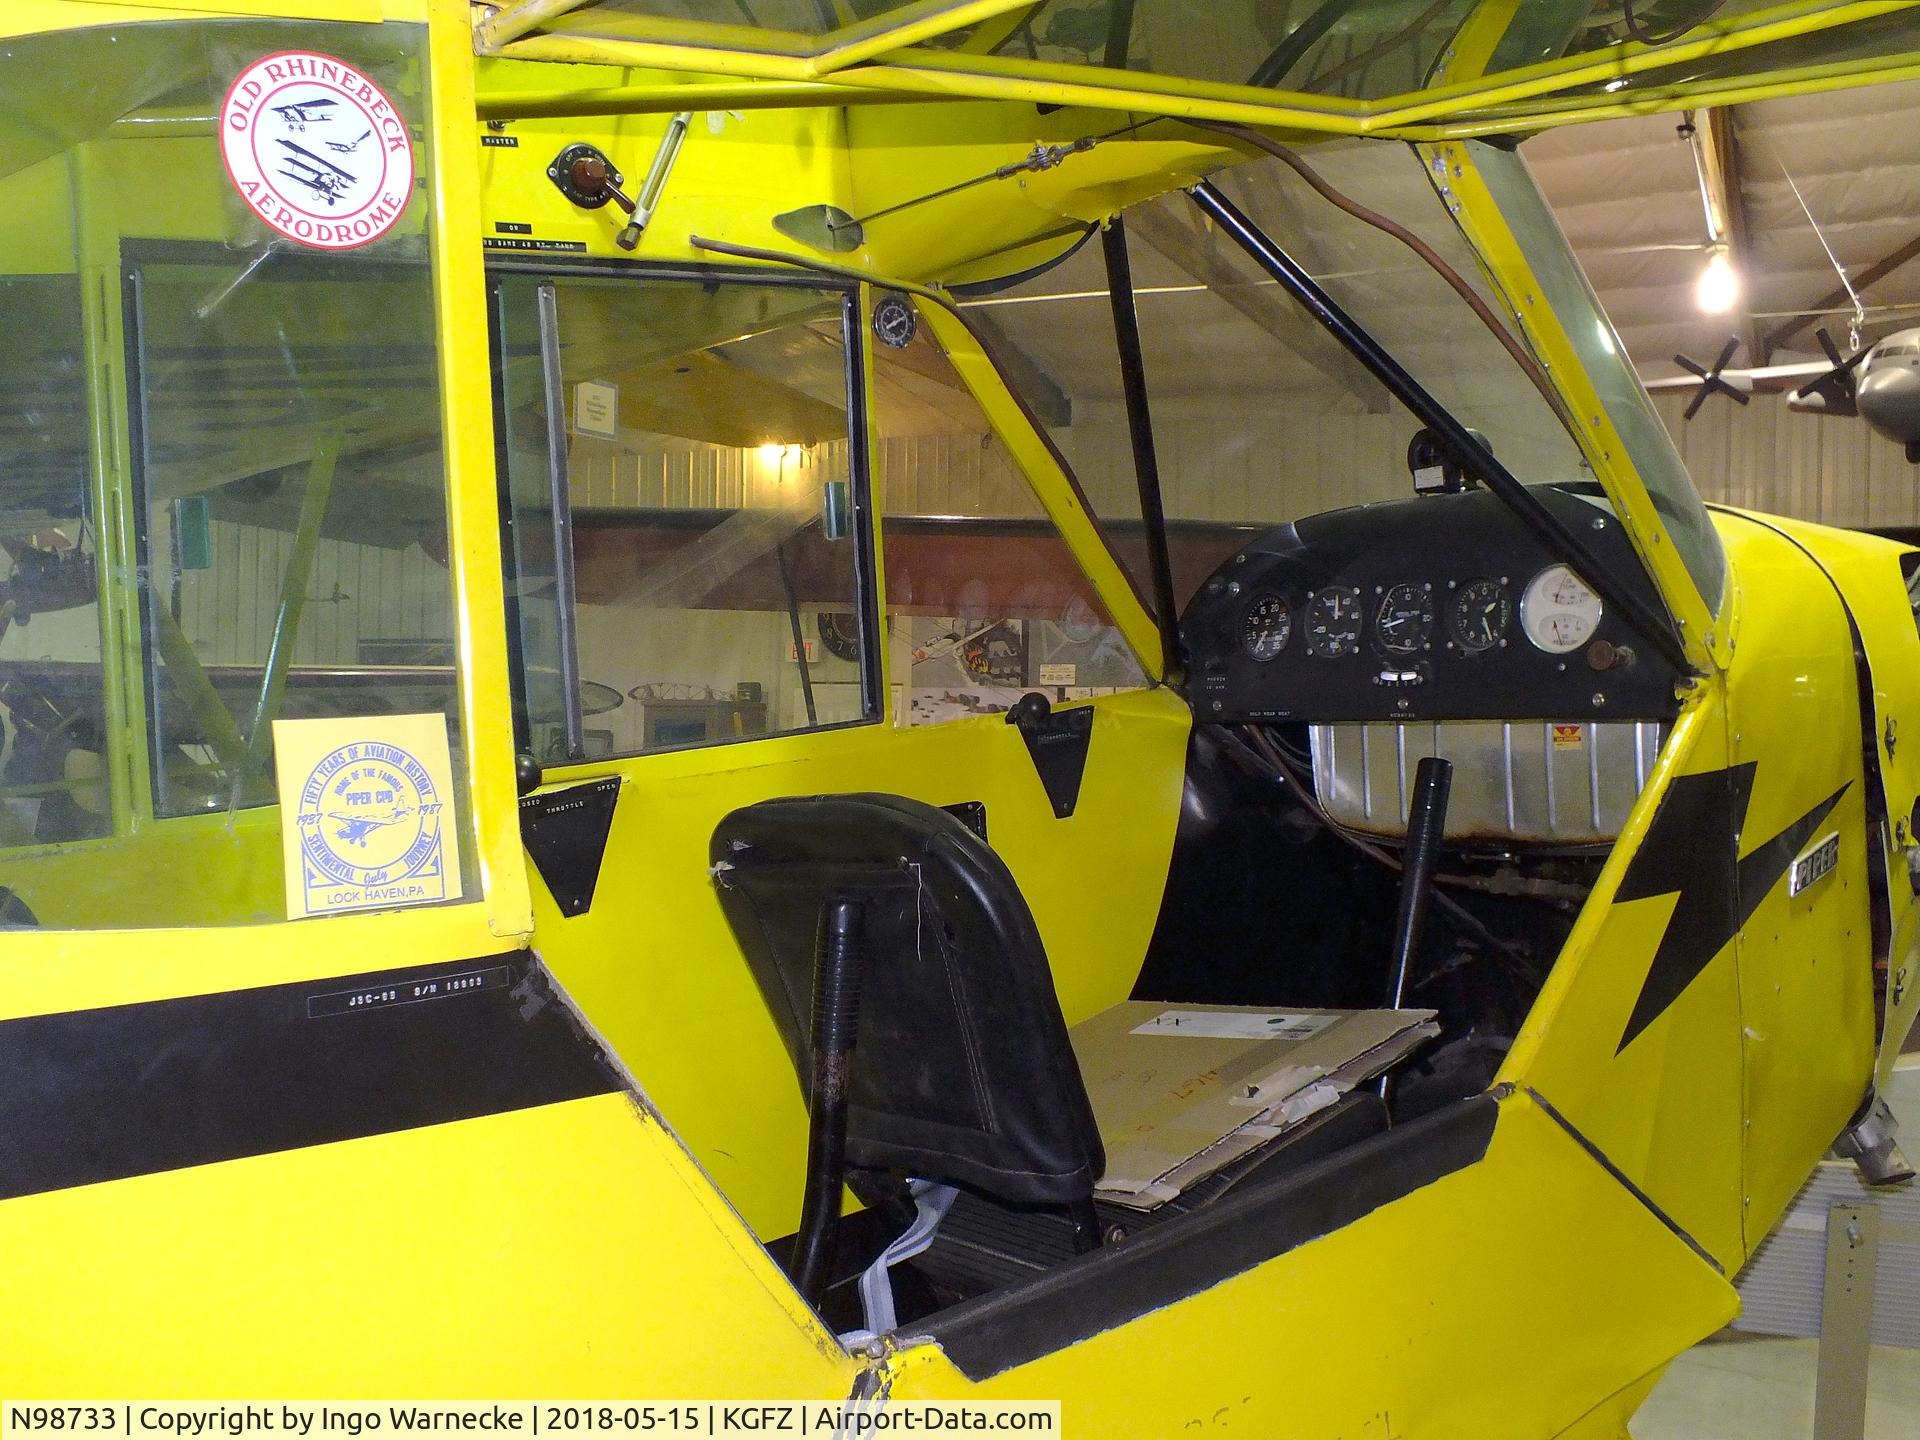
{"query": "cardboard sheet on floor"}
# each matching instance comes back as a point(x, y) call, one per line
point(1181, 1090)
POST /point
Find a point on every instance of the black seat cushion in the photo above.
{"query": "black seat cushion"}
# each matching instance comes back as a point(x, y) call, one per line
point(962, 1070)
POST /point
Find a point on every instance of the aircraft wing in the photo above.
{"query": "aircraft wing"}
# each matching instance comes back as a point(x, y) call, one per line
point(1757, 377)
point(1378, 69)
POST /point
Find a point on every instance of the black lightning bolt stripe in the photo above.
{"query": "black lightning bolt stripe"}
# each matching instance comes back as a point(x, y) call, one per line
point(1690, 851)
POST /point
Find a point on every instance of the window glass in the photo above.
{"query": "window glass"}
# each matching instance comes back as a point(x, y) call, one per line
point(710, 512)
point(222, 495)
point(53, 774)
point(1604, 357)
point(1260, 417)
point(984, 600)
point(1366, 51)
point(294, 507)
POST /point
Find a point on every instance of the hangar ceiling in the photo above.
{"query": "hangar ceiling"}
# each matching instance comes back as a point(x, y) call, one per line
point(1627, 193)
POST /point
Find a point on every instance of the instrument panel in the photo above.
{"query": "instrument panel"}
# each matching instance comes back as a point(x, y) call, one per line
point(1439, 607)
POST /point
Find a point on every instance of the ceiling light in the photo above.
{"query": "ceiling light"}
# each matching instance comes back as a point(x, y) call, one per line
point(1718, 290)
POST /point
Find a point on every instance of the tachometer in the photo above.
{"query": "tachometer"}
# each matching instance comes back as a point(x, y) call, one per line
point(1404, 622)
point(1558, 613)
point(1477, 616)
point(1333, 622)
point(1265, 627)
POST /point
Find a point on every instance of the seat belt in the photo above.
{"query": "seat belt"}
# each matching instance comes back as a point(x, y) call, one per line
point(931, 1203)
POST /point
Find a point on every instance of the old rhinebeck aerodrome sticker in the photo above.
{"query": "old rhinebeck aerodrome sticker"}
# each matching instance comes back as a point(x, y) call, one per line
point(366, 813)
point(317, 149)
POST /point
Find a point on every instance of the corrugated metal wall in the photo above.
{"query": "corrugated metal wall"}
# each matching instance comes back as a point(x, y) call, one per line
point(356, 592)
point(1228, 467)
point(1220, 462)
point(950, 474)
point(1231, 465)
point(1762, 456)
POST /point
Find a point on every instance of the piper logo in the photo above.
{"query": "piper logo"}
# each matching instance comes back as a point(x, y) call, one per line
point(1815, 865)
point(317, 150)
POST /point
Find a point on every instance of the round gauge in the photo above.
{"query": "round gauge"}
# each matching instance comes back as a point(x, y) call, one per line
point(1477, 615)
point(1265, 627)
point(894, 323)
point(1404, 622)
point(1333, 621)
point(1558, 612)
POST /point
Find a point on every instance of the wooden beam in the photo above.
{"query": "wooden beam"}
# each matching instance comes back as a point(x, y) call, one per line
point(1199, 253)
point(1027, 377)
point(1837, 296)
point(1720, 176)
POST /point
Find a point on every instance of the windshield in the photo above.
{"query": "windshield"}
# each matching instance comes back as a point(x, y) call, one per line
point(222, 497)
point(1260, 417)
point(1604, 357)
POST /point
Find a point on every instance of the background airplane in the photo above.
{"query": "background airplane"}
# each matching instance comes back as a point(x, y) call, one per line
point(1879, 383)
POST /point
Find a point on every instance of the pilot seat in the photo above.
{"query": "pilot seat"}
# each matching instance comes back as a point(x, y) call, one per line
point(910, 985)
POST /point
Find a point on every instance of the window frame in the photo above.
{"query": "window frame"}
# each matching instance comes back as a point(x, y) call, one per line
point(136, 255)
point(548, 272)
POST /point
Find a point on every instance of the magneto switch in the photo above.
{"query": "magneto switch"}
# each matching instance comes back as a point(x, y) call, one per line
point(588, 179)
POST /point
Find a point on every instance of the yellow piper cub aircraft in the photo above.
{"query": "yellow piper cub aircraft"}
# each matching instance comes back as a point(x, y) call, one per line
point(596, 639)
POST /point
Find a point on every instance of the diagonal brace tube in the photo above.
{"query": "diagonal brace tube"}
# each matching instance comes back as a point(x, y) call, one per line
point(1470, 451)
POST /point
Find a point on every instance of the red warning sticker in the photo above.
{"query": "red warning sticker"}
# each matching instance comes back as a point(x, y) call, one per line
point(317, 150)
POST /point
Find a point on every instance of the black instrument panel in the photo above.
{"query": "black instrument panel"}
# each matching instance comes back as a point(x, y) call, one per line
point(1441, 607)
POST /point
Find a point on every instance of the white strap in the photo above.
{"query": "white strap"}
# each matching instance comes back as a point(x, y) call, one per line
point(931, 1203)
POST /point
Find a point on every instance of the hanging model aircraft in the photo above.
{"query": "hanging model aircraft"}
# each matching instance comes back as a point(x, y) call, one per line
point(427, 822)
point(1878, 383)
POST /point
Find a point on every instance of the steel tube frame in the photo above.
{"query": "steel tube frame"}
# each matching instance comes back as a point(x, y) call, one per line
point(1146, 463)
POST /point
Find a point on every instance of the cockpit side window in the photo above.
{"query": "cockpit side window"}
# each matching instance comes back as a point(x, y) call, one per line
point(985, 601)
point(223, 500)
point(53, 784)
point(294, 526)
point(690, 549)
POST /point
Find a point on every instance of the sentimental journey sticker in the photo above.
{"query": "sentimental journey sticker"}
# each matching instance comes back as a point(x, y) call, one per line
point(366, 813)
point(317, 150)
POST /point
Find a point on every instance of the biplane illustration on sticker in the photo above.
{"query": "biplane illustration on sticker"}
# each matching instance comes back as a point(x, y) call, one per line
point(282, 113)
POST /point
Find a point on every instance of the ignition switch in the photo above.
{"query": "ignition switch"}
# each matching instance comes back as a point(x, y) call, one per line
point(588, 179)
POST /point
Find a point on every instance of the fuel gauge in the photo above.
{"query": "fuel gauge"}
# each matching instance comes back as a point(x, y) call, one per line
point(1558, 612)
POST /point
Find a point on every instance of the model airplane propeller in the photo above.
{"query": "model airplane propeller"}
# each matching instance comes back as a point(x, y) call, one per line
point(1710, 381)
point(1833, 392)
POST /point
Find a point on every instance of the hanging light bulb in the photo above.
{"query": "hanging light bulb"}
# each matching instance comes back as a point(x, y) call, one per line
point(1718, 290)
